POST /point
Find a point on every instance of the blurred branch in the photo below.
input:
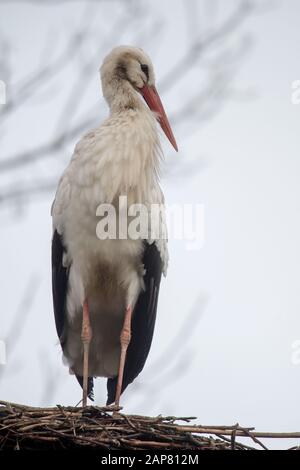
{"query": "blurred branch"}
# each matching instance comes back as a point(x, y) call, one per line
point(20, 195)
point(48, 149)
point(193, 110)
point(21, 92)
point(201, 45)
point(52, 378)
point(17, 327)
point(48, 3)
point(174, 362)
point(210, 60)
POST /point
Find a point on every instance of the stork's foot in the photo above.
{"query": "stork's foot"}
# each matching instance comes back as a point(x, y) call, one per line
point(125, 338)
point(86, 337)
point(115, 410)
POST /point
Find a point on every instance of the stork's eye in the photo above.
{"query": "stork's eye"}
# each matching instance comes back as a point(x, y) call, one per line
point(145, 69)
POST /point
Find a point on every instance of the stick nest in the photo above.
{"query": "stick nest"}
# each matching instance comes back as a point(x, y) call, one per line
point(23, 427)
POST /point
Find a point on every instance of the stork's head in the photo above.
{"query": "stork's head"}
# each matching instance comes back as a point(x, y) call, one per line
point(126, 73)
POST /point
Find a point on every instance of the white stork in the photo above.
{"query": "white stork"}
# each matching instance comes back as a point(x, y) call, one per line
point(105, 291)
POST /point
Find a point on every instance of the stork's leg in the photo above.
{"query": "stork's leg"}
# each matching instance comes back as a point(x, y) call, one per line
point(125, 338)
point(86, 336)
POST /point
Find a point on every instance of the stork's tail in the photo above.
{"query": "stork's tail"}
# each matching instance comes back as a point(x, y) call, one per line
point(111, 390)
point(90, 390)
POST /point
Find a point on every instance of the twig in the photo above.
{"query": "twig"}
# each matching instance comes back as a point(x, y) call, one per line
point(27, 427)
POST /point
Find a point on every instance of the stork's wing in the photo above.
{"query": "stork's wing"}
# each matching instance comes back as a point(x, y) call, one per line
point(59, 284)
point(59, 291)
point(143, 321)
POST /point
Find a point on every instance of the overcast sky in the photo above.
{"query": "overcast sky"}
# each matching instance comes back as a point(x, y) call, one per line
point(244, 282)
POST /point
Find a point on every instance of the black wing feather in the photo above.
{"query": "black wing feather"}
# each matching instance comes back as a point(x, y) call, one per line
point(143, 322)
point(59, 292)
point(59, 284)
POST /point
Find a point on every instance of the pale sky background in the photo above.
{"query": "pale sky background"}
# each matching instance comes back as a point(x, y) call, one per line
point(236, 366)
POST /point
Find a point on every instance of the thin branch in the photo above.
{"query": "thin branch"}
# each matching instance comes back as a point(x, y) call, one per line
point(71, 427)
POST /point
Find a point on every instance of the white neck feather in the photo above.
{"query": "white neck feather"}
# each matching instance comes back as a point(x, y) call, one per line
point(137, 163)
point(122, 157)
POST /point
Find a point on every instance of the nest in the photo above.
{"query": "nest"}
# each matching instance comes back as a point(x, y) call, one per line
point(29, 428)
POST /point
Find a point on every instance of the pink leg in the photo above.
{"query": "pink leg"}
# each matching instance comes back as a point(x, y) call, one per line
point(86, 336)
point(125, 340)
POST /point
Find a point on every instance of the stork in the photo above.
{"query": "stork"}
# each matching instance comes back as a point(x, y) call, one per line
point(105, 290)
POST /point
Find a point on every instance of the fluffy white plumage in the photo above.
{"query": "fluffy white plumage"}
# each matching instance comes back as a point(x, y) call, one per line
point(121, 157)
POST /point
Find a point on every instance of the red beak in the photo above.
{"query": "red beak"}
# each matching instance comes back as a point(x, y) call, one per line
point(153, 101)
